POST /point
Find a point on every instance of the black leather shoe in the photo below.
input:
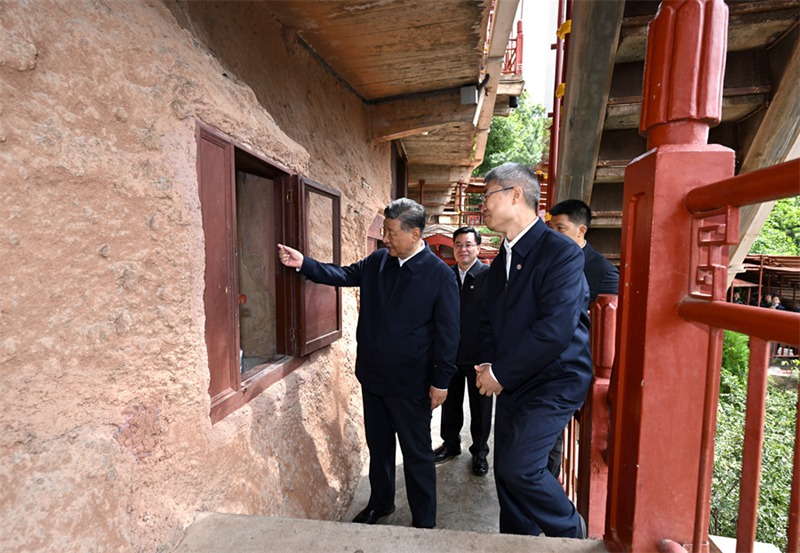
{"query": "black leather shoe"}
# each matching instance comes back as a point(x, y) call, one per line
point(444, 452)
point(371, 516)
point(480, 466)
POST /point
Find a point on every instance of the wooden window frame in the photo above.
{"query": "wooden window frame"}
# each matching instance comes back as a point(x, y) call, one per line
point(218, 159)
point(309, 293)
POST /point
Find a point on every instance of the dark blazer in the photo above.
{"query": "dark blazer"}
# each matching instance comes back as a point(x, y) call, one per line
point(601, 275)
point(536, 332)
point(473, 295)
point(408, 326)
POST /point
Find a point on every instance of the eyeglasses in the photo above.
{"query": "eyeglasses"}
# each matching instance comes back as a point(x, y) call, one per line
point(487, 194)
point(467, 246)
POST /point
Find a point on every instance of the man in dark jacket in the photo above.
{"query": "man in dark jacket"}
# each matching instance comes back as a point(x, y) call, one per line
point(536, 351)
point(471, 275)
point(407, 338)
point(572, 218)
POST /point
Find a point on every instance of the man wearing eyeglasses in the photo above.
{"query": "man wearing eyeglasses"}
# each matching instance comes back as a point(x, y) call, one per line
point(407, 335)
point(535, 344)
point(471, 275)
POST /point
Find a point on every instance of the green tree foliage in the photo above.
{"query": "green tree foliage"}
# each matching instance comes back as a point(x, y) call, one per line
point(776, 467)
point(522, 137)
point(780, 235)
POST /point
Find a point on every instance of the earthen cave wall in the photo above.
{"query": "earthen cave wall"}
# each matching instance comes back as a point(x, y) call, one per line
point(106, 440)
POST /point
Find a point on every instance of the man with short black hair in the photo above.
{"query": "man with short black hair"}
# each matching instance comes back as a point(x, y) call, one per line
point(471, 275)
point(572, 218)
point(407, 340)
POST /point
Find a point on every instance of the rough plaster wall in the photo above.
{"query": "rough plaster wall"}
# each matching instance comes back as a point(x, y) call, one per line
point(313, 111)
point(106, 442)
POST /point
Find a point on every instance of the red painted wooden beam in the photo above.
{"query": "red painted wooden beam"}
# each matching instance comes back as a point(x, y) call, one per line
point(764, 185)
point(766, 324)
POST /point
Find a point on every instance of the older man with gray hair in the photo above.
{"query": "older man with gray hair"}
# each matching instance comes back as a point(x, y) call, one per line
point(535, 344)
point(407, 334)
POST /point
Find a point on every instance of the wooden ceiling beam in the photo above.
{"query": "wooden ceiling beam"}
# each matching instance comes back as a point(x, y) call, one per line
point(437, 174)
point(409, 116)
point(735, 106)
point(593, 44)
point(751, 25)
point(610, 174)
point(504, 15)
point(485, 117)
point(777, 140)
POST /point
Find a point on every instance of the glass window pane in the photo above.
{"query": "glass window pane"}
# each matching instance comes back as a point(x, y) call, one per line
point(256, 240)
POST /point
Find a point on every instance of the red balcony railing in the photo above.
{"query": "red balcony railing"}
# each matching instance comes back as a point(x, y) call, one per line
point(715, 208)
point(592, 468)
point(512, 62)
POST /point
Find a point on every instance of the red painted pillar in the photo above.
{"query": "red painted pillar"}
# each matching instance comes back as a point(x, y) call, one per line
point(658, 381)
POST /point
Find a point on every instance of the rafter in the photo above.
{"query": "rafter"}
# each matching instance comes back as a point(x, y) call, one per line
point(409, 116)
point(777, 140)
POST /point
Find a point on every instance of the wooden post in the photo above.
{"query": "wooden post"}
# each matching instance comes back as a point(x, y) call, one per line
point(658, 382)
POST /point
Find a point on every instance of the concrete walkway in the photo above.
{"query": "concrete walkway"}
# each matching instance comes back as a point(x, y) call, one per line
point(467, 520)
point(220, 533)
point(463, 501)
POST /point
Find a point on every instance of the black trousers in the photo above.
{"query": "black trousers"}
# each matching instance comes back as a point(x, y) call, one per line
point(410, 420)
point(480, 411)
point(554, 457)
point(531, 499)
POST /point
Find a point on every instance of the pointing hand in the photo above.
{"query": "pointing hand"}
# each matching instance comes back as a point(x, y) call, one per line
point(290, 257)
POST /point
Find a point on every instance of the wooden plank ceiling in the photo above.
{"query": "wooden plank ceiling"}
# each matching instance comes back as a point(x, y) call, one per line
point(603, 101)
point(407, 60)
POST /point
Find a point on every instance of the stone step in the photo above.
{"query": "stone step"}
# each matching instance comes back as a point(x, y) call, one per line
point(219, 533)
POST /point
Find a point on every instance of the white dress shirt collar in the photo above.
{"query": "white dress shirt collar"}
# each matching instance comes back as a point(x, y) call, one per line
point(508, 245)
point(463, 274)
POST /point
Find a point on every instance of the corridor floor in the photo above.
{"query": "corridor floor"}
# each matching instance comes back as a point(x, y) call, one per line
point(464, 501)
point(467, 520)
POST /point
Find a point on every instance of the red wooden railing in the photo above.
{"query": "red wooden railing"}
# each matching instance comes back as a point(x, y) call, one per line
point(592, 466)
point(722, 200)
point(469, 202)
point(512, 62)
point(706, 306)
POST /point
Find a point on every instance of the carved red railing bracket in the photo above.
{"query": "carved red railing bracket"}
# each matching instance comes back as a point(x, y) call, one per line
point(712, 233)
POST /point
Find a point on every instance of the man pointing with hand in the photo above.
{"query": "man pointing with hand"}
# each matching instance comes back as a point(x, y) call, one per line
point(408, 333)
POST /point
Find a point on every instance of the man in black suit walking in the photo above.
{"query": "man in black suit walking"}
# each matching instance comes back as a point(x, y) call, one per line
point(471, 275)
point(535, 348)
point(407, 340)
